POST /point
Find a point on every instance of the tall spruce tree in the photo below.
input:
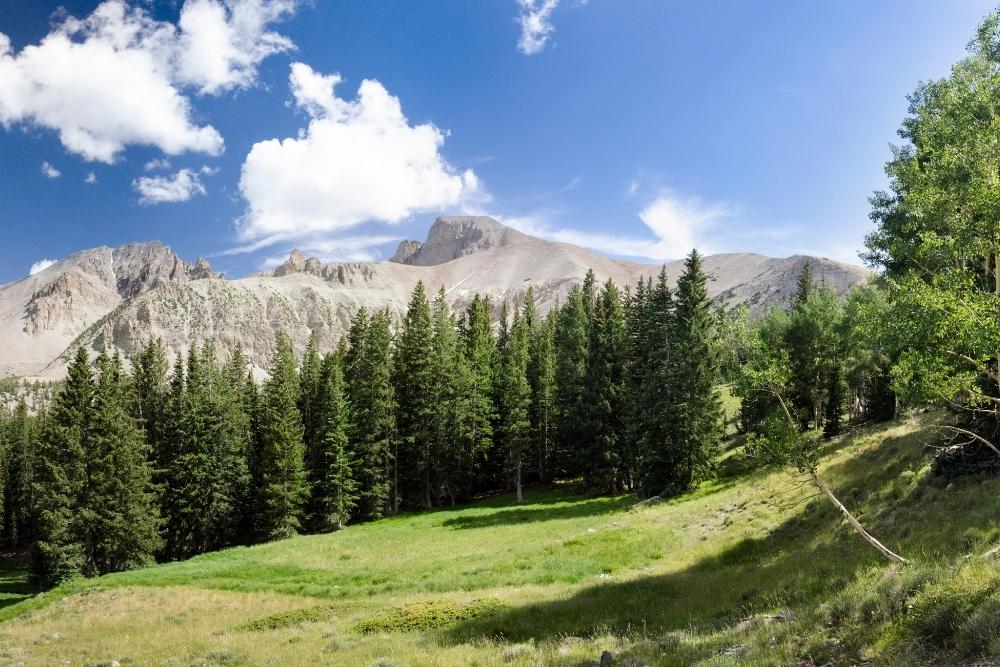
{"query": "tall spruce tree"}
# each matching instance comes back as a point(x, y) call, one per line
point(541, 379)
point(656, 408)
point(604, 393)
point(284, 487)
point(21, 442)
point(120, 506)
point(332, 487)
point(571, 348)
point(480, 356)
point(415, 384)
point(62, 478)
point(372, 412)
point(514, 399)
point(698, 422)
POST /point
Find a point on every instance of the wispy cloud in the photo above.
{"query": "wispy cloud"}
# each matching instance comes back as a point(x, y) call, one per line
point(677, 225)
point(536, 25)
point(90, 179)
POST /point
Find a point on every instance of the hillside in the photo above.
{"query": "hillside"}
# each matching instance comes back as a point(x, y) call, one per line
point(120, 298)
point(747, 569)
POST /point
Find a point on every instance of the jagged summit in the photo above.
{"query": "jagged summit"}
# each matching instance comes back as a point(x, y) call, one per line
point(119, 298)
point(454, 236)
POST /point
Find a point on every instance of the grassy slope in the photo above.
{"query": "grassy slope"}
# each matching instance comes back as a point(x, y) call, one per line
point(748, 569)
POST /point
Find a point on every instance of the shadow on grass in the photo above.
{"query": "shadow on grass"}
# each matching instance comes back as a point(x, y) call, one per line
point(519, 514)
point(14, 584)
point(799, 564)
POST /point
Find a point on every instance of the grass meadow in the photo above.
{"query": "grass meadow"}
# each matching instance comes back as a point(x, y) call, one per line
point(750, 568)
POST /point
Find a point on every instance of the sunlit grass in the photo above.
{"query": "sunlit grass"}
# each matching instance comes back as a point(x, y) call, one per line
point(749, 568)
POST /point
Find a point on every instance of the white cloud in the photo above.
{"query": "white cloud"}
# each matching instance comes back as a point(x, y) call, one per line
point(40, 266)
point(677, 224)
point(179, 187)
point(357, 161)
point(116, 77)
point(343, 249)
point(90, 179)
point(221, 44)
point(50, 171)
point(157, 164)
point(536, 25)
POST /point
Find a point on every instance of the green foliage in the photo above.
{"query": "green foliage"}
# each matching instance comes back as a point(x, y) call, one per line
point(415, 383)
point(284, 489)
point(288, 619)
point(428, 615)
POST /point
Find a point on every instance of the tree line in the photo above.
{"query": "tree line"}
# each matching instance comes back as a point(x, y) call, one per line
point(617, 389)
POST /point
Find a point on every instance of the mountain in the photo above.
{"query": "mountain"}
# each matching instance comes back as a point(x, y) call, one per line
point(119, 298)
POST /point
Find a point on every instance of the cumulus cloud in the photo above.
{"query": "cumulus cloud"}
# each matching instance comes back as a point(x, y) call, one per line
point(90, 179)
point(536, 25)
point(677, 224)
point(40, 266)
point(179, 187)
point(49, 171)
point(117, 77)
point(357, 161)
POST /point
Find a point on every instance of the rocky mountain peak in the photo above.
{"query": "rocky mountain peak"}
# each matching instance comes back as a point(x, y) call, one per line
point(454, 236)
point(297, 263)
point(140, 266)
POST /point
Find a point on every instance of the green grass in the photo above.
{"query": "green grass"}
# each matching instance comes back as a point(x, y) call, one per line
point(749, 568)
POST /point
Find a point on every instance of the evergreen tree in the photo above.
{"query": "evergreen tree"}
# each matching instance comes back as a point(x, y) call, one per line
point(284, 488)
point(372, 412)
point(480, 355)
point(62, 478)
point(453, 420)
point(514, 398)
point(803, 285)
point(541, 379)
point(310, 397)
point(18, 463)
point(571, 344)
point(415, 384)
point(332, 487)
point(656, 409)
point(605, 393)
point(699, 416)
point(120, 507)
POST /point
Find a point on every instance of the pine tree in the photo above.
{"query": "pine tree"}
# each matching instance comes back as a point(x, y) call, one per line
point(120, 506)
point(62, 478)
point(332, 487)
point(656, 408)
point(415, 383)
point(18, 466)
point(372, 412)
point(803, 285)
point(310, 396)
point(480, 355)
point(514, 399)
point(284, 488)
point(541, 379)
point(571, 345)
point(453, 419)
point(604, 393)
point(699, 418)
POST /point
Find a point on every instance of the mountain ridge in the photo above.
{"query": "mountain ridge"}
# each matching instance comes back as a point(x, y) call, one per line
point(119, 298)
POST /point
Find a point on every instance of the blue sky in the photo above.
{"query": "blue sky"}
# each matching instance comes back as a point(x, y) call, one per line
point(238, 129)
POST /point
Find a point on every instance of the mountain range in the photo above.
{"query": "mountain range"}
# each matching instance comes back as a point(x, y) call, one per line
point(118, 298)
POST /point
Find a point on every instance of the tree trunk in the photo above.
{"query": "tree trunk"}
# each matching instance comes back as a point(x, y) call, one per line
point(517, 482)
point(868, 537)
point(839, 506)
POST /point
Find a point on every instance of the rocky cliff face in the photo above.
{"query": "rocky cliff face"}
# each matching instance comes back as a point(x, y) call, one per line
point(451, 237)
point(119, 299)
point(41, 315)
